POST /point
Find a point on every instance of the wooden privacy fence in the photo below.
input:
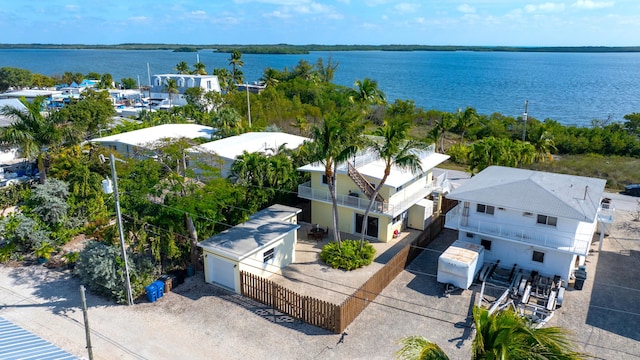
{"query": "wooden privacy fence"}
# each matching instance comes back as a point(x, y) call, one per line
point(333, 317)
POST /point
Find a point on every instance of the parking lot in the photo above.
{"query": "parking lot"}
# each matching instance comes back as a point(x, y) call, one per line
point(201, 321)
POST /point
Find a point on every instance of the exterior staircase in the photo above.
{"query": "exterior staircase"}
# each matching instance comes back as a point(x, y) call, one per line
point(362, 183)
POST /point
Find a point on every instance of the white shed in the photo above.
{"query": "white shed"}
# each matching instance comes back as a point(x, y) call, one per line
point(262, 245)
point(460, 263)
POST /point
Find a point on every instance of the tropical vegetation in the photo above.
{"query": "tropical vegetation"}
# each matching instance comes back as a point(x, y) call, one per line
point(503, 335)
point(166, 207)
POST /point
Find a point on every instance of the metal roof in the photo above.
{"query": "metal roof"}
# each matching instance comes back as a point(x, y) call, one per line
point(373, 168)
point(266, 142)
point(155, 133)
point(569, 196)
point(18, 343)
point(261, 230)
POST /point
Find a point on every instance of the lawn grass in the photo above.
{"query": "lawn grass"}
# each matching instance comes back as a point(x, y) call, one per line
point(617, 170)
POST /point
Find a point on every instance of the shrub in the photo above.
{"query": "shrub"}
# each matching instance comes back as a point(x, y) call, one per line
point(101, 269)
point(349, 256)
point(459, 153)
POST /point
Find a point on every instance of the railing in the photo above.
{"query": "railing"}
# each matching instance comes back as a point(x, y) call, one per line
point(606, 213)
point(576, 243)
point(398, 203)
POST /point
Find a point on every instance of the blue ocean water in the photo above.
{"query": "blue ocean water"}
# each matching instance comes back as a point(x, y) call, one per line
point(572, 88)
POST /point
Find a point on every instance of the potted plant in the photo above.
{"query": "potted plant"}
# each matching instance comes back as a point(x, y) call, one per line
point(44, 251)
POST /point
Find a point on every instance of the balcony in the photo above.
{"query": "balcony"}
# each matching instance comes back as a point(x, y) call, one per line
point(575, 243)
point(399, 202)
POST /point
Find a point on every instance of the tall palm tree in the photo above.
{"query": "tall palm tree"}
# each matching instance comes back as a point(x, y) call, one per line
point(236, 62)
point(507, 335)
point(182, 68)
point(35, 133)
point(396, 150)
point(419, 348)
point(334, 141)
point(199, 69)
point(171, 87)
point(466, 119)
point(439, 130)
point(224, 78)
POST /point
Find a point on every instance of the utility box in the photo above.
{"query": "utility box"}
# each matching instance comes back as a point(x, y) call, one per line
point(460, 263)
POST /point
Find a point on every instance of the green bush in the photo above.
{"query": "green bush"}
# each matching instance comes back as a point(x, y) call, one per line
point(349, 256)
point(101, 269)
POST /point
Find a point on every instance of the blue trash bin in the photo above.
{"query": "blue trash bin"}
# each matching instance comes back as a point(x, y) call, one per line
point(152, 292)
point(159, 288)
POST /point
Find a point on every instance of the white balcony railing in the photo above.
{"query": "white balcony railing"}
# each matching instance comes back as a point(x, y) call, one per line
point(399, 202)
point(576, 243)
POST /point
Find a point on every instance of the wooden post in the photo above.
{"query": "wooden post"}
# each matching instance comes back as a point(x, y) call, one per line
point(87, 331)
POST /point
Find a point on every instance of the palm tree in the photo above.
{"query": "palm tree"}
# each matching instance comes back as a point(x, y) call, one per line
point(466, 119)
point(396, 150)
point(199, 69)
point(34, 133)
point(367, 93)
point(236, 62)
point(335, 141)
point(419, 348)
point(270, 76)
point(182, 67)
point(224, 77)
point(439, 130)
point(507, 335)
point(171, 87)
point(228, 122)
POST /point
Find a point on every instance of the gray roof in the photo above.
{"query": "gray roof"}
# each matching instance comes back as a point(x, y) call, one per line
point(15, 103)
point(261, 230)
point(568, 196)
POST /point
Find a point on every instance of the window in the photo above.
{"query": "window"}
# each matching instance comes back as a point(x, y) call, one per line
point(324, 179)
point(487, 209)
point(470, 235)
point(486, 243)
point(547, 220)
point(268, 255)
point(527, 214)
point(538, 256)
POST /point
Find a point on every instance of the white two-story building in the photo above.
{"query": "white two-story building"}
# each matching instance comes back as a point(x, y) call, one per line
point(401, 203)
point(537, 220)
point(159, 97)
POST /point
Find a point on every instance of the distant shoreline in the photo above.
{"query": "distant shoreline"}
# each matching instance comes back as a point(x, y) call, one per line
point(305, 49)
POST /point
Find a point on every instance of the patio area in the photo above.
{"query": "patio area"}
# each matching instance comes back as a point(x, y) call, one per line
point(308, 275)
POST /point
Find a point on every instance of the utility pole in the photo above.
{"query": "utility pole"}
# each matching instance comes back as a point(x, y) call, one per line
point(248, 105)
point(108, 189)
point(524, 121)
point(87, 331)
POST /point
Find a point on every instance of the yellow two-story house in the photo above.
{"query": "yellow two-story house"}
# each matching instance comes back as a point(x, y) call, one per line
point(403, 201)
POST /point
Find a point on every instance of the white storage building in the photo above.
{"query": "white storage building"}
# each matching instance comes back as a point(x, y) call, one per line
point(262, 245)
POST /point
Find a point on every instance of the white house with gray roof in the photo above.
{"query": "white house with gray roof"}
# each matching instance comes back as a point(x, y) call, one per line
point(262, 246)
point(538, 220)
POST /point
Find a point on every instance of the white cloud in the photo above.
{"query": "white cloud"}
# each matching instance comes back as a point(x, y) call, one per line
point(138, 19)
point(545, 7)
point(589, 5)
point(466, 8)
point(277, 14)
point(405, 8)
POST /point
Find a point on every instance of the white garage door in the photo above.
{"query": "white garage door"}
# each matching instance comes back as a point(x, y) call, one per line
point(221, 271)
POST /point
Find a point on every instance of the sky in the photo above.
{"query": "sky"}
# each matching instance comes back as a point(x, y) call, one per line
point(327, 22)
